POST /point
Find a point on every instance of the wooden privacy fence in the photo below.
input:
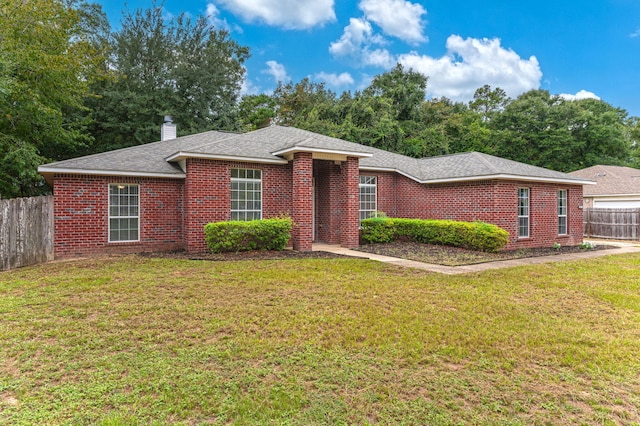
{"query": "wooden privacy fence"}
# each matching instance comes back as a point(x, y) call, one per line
point(618, 224)
point(26, 231)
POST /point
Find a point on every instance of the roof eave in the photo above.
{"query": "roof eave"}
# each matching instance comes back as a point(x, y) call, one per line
point(179, 156)
point(390, 170)
point(505, 176)
point(295, 149)
point(48, 172)
point(637, 194)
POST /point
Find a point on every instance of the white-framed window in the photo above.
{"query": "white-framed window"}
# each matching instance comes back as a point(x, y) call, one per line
point(368, 202)
point(246, 194)
point(523, 212)
point(124, 212)
point(562, 212)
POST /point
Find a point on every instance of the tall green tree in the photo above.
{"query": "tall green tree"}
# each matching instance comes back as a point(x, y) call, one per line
point(303, 102)
point(602, 133)
point(174, 66)
point(549, 131)
point(633, 129)
point(488, 102)
point(256, 111)
point(406, 89)
point(48, 59)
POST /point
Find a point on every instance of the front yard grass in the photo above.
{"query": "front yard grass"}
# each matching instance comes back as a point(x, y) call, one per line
point(133, 340)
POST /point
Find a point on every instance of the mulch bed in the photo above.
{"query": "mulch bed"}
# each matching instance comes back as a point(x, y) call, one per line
point(455, 256)
point(443, 255)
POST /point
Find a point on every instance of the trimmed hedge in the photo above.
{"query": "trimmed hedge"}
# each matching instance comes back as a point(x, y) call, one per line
point(264, 234)
point(479, 236)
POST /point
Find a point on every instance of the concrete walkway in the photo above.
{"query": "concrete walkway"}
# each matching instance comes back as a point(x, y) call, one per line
point(621, 247)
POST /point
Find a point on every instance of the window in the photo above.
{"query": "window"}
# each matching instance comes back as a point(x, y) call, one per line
point(562, 211)
point(367, 197)
point(523, 212)
point(124, 212)
point(246, 194)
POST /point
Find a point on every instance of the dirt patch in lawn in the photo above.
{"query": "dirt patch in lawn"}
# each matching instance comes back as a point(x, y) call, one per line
point(455, 256)
point(427, 253)
point(248, 255)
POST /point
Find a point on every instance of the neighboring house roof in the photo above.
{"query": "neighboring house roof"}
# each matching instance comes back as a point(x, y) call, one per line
point(610, 180)
point(277, 144)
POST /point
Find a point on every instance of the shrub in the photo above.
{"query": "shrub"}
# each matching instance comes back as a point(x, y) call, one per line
point(264, 234)
point(378, 229)
point(472, 235)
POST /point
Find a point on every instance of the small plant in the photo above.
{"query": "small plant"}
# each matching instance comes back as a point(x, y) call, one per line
point(556, 246)
point(587, 245)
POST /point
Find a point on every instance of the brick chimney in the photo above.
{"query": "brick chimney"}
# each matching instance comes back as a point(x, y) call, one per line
point(168, 130)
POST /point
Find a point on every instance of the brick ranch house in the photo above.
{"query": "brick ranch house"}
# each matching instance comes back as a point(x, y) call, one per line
point(159, 196)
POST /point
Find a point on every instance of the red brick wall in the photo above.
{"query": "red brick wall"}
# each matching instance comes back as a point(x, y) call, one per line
point(543, 213)
point(302, 202)
point(81, 215)
point(387, 192)
point(490, 201)
point(349, 191)
point(173, 213)
point(208, 195)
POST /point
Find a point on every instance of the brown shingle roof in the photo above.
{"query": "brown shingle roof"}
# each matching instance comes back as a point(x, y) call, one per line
point(610, 180)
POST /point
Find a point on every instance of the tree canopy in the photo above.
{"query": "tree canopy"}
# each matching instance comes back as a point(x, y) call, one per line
point(535, 128)
point(180, 66)
point(48, 59)
point(70, 86)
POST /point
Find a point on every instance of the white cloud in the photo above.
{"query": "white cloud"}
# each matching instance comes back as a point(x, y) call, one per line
point(213, 17)
point(247, 87)
point(397, 18)
point(635, 34)
point(335, 80)
point(471, 63)
point(378, 57)
point(354, 35)
point(357, 44)
point(290, 14)
point(277, 71)
point(583, 94)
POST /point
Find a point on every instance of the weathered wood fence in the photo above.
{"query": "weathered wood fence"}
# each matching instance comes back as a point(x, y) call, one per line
point(618, 224)
point(26, 231)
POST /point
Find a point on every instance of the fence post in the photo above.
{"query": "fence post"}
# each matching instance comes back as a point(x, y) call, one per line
point(587, 216)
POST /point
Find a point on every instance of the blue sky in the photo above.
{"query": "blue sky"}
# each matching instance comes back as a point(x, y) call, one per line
point(588, 48)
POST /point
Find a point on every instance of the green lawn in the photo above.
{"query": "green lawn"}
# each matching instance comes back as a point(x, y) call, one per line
point(132, 340)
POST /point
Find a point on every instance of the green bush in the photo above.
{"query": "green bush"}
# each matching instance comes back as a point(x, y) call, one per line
point(471, 235)
point(379, 229)
point(264, 234)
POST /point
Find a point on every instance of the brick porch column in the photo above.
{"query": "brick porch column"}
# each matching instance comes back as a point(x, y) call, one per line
point(349, 222)
point(302, 199)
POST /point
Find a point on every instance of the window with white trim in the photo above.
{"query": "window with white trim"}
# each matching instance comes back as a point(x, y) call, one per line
point(246, 194)
point(368, 203)
point(523, 212)
point(124, 212)
point(562, 212)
